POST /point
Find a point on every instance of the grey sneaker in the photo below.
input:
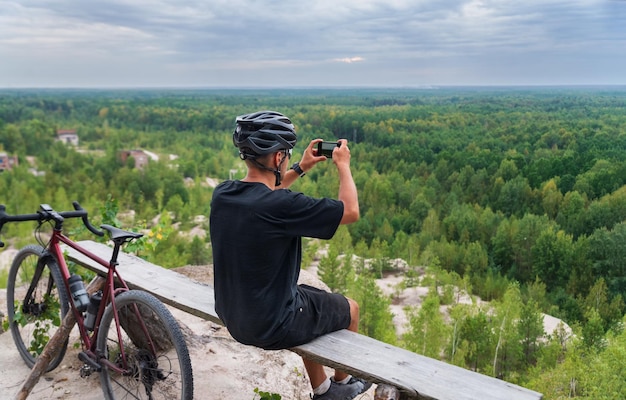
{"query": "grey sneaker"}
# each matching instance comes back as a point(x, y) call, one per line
point(342, 392)
point(366, 384)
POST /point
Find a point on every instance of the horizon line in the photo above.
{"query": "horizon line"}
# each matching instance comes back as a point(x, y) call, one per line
point(320, 87)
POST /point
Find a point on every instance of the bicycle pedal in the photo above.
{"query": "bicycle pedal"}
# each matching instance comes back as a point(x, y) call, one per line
point(85, 371)
point(90, 362)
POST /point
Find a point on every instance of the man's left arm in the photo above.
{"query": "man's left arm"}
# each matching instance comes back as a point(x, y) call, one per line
point(309, 159)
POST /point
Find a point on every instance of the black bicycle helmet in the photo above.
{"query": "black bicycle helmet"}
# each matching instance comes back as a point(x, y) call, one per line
point(263, 132)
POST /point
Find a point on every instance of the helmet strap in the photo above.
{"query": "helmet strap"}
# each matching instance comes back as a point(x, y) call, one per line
point(276, 171)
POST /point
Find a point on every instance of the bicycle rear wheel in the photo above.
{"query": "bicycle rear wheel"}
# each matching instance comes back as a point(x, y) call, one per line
point(35, 304)
point(157, 359)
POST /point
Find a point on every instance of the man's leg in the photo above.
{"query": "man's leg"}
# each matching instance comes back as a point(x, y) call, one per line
point(316, 372)
point(354, 327)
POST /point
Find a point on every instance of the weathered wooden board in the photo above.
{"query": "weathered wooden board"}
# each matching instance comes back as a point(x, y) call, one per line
point(168, 286)
point(416, 376)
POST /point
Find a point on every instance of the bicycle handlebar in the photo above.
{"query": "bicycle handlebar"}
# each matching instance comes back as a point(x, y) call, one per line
point(46, 213)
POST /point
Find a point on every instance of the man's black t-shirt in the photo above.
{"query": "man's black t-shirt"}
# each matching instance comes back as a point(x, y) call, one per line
point(256, 238)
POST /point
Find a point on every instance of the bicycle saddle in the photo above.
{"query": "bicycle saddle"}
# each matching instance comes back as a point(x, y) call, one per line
point(120, 234)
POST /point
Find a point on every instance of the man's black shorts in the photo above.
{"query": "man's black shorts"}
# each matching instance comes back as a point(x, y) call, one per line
point(322, 313)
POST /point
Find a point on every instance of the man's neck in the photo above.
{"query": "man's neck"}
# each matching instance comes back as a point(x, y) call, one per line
point(259, 176)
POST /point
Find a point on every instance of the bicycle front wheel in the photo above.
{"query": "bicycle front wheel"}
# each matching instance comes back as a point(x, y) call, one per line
point(149, 355)
point(36, 303)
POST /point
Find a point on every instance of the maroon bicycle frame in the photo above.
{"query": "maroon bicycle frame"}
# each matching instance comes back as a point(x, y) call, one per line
point(108, 295)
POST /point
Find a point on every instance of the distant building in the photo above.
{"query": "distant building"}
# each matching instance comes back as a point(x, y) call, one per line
point(67, 136)
point(7, 162)
point(140, 157)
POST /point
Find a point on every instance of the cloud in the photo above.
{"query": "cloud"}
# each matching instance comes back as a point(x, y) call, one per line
point(349, 60)
point(398, 41)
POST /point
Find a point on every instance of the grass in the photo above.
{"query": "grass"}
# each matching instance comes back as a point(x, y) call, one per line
point(4, 275)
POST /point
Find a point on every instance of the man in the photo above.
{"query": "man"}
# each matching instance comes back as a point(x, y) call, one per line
point(256, 229)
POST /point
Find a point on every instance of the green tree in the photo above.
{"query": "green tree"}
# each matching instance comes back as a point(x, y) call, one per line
point(604, 377)
point(570, 214)
point(530, 326)
point(455, 353)
point(552, 256)
point(375, 317)
point(515, 197)
point(607, 250)
point(427, 333)
point(609, 311)
point(593, 330)
point(508, 342)
point(332, 272)
point(477, 338)
point(199, 253)
point(512, 245)
point(551, 198)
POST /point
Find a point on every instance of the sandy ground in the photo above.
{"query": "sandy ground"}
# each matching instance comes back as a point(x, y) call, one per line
point(223, 368)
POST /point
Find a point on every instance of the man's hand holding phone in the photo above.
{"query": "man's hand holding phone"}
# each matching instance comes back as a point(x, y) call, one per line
point(326, 148)
point(319, 150)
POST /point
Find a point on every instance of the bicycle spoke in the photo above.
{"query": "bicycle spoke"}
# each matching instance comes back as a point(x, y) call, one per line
point(125, 389)
point(38, 305)
point(151, 351)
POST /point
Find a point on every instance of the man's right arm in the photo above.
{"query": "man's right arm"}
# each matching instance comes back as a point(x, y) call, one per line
point(348, 194)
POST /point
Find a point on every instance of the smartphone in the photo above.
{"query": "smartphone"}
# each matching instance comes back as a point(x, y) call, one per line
point(326, 148)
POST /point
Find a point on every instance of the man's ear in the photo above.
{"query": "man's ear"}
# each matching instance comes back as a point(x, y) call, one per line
point(277, 158)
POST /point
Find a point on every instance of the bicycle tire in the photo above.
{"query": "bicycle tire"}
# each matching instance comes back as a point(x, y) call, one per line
point(164, 375)
point(32, 321)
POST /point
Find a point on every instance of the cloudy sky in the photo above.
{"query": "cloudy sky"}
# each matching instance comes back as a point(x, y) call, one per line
point(271, 43)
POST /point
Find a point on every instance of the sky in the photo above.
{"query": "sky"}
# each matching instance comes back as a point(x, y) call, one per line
point(325, 43)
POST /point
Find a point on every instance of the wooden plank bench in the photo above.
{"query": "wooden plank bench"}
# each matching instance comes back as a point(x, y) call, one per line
point(415, 376)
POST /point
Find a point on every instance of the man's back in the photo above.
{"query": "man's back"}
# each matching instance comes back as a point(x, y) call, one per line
point(255, 286)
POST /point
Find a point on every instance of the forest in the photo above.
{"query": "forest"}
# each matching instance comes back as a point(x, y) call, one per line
point(516, 196)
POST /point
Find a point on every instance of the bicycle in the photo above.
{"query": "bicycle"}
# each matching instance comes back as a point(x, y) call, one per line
point(128, 336)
